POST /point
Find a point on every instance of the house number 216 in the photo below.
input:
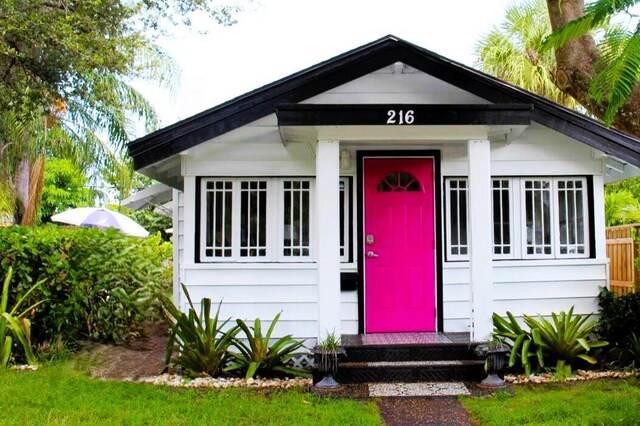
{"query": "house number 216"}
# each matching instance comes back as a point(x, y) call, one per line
point(400, 117)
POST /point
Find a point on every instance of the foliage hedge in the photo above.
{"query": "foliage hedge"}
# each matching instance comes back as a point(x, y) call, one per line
point(619, 317)
point(99, 285)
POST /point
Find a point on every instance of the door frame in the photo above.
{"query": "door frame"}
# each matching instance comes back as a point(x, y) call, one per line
point(437, 206)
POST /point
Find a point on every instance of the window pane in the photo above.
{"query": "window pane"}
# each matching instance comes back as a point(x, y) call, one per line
point(253, 218)
point(454, 221)
point(538, 217)
point(398, 182)
point(297, 223)
point(462, 202)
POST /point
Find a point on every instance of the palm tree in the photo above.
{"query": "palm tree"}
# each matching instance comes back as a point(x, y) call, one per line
point(512, 52)
point(91, 130)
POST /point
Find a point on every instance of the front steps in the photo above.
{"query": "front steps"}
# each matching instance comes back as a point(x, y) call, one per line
point(444, 360)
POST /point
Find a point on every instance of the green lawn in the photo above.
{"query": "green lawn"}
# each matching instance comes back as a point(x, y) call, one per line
point(611, 402)
point(61, 395)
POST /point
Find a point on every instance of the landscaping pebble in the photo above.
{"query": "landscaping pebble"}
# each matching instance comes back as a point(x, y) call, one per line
point(578, 375)
point(176, 380)
point(25, 367)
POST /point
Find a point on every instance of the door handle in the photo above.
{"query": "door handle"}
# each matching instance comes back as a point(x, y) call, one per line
point(372, 254)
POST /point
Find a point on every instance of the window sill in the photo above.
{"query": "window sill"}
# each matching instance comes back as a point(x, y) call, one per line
point(531, 262)
point(250, 265)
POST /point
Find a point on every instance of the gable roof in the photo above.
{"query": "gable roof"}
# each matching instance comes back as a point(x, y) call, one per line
point(356, 63)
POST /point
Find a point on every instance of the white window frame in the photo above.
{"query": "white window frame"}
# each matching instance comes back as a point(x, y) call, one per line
point(450, 255)
point(552, 218)
point(345, 182)
point(279, 247)
point(275, 221)
point(518, 228)
point(512, 220)
point(585, 210)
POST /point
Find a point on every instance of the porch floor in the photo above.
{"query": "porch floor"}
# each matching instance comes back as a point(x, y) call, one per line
point(383, 339)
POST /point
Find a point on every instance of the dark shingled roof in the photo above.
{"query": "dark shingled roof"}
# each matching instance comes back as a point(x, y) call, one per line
point(363, 60)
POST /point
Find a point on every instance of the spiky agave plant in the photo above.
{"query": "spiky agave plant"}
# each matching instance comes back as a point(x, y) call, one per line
point(566, 338)
point(257, 355)
point(203, 345)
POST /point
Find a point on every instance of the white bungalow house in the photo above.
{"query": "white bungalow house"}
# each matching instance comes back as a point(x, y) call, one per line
point(388, 189)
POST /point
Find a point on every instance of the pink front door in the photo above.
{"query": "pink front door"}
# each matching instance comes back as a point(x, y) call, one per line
point(399, 245)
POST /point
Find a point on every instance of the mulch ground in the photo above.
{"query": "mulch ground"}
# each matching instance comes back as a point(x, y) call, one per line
point(141, 357)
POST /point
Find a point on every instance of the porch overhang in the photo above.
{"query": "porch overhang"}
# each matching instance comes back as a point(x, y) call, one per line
point(345, 122)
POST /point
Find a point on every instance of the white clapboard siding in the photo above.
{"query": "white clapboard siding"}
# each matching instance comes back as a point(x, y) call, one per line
point(251, 157)
point(387, 88)
point(254, 291)
point(538, 151)
point(456, 300)
point(178, 242)
point(349, 312)
point(527, 287)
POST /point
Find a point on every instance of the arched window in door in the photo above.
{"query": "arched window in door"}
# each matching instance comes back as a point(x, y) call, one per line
point(398, 182)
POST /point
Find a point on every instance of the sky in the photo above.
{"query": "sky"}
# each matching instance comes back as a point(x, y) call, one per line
point(276, 38)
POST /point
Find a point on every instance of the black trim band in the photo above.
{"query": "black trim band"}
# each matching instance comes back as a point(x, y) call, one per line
point(402, 114)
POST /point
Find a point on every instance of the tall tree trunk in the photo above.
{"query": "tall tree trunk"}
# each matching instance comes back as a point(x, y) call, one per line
point(36, 185)
point(576, 68)
point(29, 183)
point(22, 175)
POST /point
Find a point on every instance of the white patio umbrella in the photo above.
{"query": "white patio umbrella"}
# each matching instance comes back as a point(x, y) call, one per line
point(99, 217)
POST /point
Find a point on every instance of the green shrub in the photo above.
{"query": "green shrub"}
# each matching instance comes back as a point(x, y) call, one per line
point(258, 356)
point(631, 355)
point(619, 317)
point(99, 285)
point(564, 339)
point(203, 347)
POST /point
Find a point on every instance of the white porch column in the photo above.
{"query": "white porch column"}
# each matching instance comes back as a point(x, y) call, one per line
point(480, 240)
point(327, 231)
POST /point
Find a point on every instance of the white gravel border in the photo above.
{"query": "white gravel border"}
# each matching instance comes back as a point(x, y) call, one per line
point(175, 380)
point(578, 375)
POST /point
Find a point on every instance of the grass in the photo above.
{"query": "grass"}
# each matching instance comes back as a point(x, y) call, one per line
point(603, 402)
point(61, 394)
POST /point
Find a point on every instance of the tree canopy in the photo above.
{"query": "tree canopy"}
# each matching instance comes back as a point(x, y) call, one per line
point(602, 76)
point(65, 73)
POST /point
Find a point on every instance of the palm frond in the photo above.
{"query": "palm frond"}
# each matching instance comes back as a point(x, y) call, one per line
point(620, 71)
point(596, 15)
